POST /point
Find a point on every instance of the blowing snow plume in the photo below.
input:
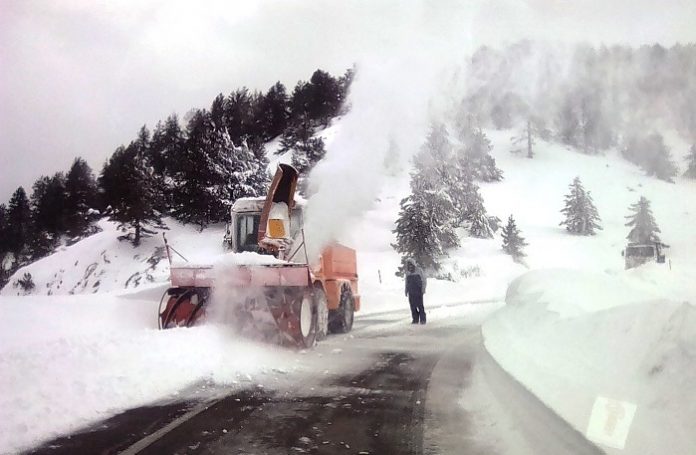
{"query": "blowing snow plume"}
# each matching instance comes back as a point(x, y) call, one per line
point(392, 100)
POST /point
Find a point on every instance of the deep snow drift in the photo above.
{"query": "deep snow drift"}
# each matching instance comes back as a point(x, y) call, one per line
point(572, 337)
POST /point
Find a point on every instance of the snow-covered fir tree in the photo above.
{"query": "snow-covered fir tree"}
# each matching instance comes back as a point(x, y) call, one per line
point(581, 216)
point(652, 154)
point(475, 150)
point(306, 149)
point(47, 214)
point(513, 242)
point(644, 229)
point(128, 189)
point(81, 193)
point(691, 163)
point(425, 227)
point(18, 228)
point(525, 141)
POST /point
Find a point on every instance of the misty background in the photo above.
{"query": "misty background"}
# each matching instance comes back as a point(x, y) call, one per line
point(80, 78)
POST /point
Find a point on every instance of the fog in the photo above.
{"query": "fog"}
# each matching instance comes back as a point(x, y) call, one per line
point(80, 78)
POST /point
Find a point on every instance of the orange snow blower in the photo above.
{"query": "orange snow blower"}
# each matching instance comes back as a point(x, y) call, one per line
point(275, 292)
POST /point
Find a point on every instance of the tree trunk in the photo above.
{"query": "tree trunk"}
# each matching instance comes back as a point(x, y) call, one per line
point(136, 240)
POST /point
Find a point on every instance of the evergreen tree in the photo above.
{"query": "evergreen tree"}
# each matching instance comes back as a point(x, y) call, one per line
point(128, 189)
point(18, 226)
point(525, 140)
point(4, 241)
point(194, 196)
point(47, 214)
point(652, 154)
point(424, 230)
point(239, 116)
point(644, 229)
point(273, 113)
point(475, 151)
point(80, 198)
point(581, 216)
point(48, 204)
point(691, 163)
point(306, 150)
point(326, 97)
point(513, 242)
point(166, 149)
point(479, 223)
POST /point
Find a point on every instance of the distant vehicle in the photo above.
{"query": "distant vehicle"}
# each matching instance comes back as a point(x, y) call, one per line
point(306, 299)
point(637, 254)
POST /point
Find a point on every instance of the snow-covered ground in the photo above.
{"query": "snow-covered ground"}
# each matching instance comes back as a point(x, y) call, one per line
point(593, 329)
point(91, 348)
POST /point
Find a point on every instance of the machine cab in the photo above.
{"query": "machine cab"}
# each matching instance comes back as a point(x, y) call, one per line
point(245, 218)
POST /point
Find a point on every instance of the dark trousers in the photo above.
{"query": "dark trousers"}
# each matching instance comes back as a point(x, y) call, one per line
point(417, 310)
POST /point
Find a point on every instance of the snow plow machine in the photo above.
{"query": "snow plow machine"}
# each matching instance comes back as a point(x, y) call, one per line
point(273, 291)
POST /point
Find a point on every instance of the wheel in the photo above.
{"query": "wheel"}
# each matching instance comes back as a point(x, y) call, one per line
point(307, 320)
point(322, 309)
point(341, 320)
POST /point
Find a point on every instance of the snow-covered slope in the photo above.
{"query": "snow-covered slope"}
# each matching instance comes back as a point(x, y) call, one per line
point(103, 263)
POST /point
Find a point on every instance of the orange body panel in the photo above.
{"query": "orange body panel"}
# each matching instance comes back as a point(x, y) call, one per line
point(338, 267)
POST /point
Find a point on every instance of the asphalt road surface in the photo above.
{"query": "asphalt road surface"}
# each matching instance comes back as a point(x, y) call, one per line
point(388, 388)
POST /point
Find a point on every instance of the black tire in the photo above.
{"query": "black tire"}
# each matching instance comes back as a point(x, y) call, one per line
point(341, 319)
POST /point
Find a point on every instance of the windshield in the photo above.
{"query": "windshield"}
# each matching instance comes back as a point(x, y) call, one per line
point(247, 230)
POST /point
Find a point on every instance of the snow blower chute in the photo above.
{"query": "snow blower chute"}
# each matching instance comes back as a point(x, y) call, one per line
point(280, 297)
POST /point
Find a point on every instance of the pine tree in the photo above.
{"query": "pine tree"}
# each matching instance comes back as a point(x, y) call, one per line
point(306, 149)
point(424, 230)
point(126, 183)
point(475, 151)
point(644, 229)
point(18, 226)
point(193, 175)
point(166, 149)
point(581, 216)
point(480, 225)
point(47, 214)
point(691, 163)
point(238, 116)
point(80, 198)
point(4, 241)
point(652, 154)
point(273, 113)
point(525, 140)
point(513, 242)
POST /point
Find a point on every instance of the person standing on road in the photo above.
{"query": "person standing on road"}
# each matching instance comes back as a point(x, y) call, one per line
point(415, 288)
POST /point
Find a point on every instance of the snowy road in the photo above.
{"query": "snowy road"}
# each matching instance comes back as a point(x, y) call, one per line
point(388, 388)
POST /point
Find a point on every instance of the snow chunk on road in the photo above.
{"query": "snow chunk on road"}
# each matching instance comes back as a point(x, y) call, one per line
point(572, 336)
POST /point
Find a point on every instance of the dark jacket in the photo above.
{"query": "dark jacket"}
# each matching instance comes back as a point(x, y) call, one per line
point(415, 281)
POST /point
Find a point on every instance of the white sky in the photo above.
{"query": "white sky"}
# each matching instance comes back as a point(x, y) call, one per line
point(80, 77)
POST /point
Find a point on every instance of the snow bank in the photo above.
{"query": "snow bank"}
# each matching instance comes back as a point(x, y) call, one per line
point(572, 336)
point(66, 362)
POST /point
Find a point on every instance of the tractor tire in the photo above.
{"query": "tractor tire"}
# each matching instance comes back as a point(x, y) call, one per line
point(322, 309)
point(306, 312)
point(341, 319)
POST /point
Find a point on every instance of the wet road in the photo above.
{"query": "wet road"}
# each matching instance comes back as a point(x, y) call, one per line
point(389, 388)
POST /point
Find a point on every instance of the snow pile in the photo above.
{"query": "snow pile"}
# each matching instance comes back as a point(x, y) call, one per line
point(572, 336)
point(67, 361)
